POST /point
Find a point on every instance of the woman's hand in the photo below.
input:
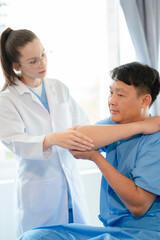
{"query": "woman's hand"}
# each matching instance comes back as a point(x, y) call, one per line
point(69, 139)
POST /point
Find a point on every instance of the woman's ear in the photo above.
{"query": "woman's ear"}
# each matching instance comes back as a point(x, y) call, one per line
point(146, 100)
point(16, 66)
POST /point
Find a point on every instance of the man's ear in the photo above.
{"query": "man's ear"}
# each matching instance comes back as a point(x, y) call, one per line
point(16, 66)
point(146, 100)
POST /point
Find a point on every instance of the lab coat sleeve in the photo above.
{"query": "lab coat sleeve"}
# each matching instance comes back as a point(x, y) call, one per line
point(13, 133)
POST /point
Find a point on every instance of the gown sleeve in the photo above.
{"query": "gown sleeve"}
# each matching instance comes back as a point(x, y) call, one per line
point(146, 173)
point(105, 121)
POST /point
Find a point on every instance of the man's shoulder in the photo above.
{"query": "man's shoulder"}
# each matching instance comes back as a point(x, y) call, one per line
point(105, 121)
point(150, 139)
point(155, 135)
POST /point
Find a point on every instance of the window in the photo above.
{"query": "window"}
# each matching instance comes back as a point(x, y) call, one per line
point(126, 48)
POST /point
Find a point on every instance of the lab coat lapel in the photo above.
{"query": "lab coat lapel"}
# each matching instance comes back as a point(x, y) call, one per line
point(51, 95)
point(22, 89)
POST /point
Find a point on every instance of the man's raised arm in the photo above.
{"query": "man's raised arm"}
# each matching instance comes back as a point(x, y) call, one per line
point(103, 135)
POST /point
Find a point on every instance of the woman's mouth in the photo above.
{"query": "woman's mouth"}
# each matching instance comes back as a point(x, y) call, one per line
point(42, 72)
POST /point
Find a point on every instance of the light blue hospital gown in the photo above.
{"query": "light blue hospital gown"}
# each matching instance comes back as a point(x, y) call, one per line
point(138, 158)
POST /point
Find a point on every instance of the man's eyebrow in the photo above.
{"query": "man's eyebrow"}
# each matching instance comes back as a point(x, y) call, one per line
point(118, 89)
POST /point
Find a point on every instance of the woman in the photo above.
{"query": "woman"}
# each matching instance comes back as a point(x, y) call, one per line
point(35, 113)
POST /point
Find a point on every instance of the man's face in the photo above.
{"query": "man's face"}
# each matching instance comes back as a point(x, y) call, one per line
point(124, 103)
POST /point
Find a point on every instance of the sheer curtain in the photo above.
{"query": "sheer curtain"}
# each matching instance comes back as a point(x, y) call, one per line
point(143, 20)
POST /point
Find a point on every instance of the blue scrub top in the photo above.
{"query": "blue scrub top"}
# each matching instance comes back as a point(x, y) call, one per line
point(138, 158)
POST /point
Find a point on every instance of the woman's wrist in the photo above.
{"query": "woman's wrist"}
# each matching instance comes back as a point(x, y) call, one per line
point(49, 140)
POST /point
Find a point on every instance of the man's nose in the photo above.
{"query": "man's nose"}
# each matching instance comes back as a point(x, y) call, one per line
point(113, 99)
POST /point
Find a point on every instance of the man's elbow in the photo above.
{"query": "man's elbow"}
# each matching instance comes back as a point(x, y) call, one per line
point(138, 211)
point(84, 130)
point(89, 131)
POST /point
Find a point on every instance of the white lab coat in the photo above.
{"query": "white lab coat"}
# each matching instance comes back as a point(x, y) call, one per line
point(42, 176)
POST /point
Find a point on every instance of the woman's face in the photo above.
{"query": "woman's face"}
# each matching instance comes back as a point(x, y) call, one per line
point(33, 62)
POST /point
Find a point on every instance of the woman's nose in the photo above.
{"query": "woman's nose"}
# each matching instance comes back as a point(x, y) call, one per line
point(41, 61)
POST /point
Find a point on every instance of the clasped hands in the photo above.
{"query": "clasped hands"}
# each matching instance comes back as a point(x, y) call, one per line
point(87, 151)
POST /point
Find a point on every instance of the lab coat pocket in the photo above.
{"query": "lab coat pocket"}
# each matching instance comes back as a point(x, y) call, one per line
point(62, 118)
point(41, 195)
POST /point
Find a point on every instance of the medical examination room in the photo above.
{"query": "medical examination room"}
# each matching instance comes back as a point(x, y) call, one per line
point(79, 119)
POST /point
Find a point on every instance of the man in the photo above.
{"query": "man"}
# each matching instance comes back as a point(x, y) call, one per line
point(130, 189)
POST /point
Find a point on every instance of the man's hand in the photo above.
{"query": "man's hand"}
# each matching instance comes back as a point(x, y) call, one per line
point(150, 125)
point(84, 155)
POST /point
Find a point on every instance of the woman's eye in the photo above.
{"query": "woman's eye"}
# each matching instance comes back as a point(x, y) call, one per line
point(34, 61)
point(43, 55)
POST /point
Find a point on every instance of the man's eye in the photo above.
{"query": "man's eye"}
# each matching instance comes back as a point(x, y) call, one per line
point(120, 95)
